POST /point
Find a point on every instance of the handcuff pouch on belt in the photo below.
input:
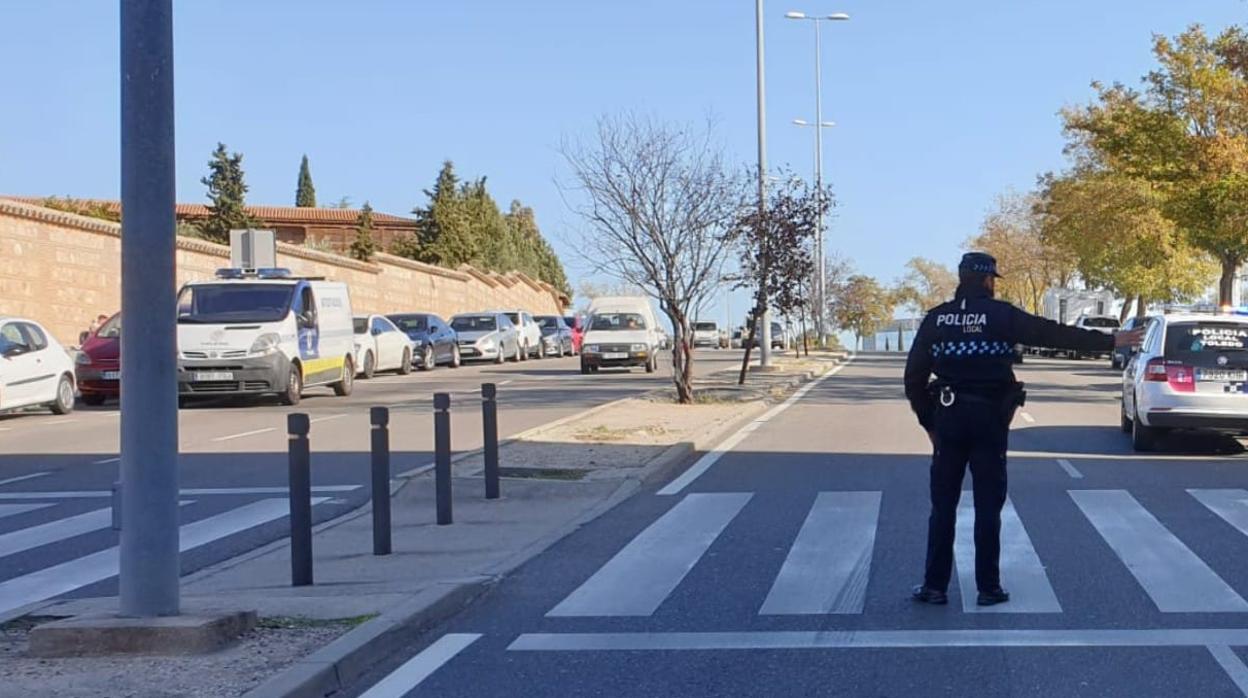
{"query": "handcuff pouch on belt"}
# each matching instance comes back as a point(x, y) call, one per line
point(946, 396)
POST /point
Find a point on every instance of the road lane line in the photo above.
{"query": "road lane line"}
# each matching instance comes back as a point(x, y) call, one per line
point(89, 494)
point(637, 580)
point(326, 418)
point(254, 432)
point(1070, 469)
point(55, 531)
point(415, 670)
point(1022, 573)
point(1174, 577)
point(1232, 665)
point(1027, 417)
point(827, 568)
point(707, 460)
point(15, 509)
point(49, 582)
point(20, 478)
point(106, 461)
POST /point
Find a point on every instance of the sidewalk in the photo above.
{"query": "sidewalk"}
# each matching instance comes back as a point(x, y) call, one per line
point(560, 477)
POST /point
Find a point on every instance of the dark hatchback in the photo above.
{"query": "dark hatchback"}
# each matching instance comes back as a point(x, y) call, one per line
point(99, 364)
point(433, 340)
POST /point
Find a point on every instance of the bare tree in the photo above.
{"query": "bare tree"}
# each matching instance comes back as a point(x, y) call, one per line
point(659, 202)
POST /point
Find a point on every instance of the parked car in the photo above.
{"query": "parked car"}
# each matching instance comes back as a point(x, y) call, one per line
point(578, 331)
point(432, 339)
point(380, 346)
point(487, 336)
point(530, 333)
point(35, 370)
point(1120, 356)
point(1191, 372)
point(623, 332)
point(1099, 323)
point(737, 341)
point(705, 334)
point(556, 336)
point(777, 337)
point(98, 367)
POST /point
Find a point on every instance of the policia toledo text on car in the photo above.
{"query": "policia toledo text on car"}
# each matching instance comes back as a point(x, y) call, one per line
point(968, 343)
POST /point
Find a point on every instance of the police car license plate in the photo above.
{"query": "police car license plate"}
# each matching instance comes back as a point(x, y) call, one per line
point(615, 355)
point(204, 376)
point(1221, 374)
point(111, 375)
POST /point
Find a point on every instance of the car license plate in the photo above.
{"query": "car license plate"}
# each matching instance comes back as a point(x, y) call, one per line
point(111, 375)
point(1221, 374)
point(615, 355)
point(205, 376)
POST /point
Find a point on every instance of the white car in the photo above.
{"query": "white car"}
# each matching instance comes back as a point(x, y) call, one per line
point(35, 370)
point(380, 346)
point(530, 332)
point(705, 334)
point(1191, 372)
point(1097, 323)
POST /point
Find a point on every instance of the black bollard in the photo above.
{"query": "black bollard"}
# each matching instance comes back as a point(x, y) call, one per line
point(489, 425)
point(442, 455)
point(380, 418)
point(297, 427)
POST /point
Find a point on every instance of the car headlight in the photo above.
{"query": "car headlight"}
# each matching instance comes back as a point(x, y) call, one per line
point(265, 344)
point(486, 342)
point(591, 348)
point(83, 359)
point(637, 347)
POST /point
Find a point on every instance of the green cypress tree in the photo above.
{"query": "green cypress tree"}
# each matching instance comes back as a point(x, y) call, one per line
point(305, 193)
point(364, 247)
point(226, 195)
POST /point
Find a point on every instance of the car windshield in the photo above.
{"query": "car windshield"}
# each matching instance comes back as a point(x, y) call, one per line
point(705, 327)
point(110, 329)
point(360, 324)
point(230, 302)
point(617, 321)
point(1100, 322)
point(474, 323)
point(548, 323)
point(1200, 343)
point(411, 323)
point(570, 321)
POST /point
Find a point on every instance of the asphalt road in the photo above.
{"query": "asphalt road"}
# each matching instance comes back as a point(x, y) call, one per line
point(785, 569)
point(56, 473)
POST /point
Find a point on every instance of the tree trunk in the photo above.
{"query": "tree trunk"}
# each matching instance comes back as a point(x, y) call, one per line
point(1141, 307)
point(805, 335)
point(1226, 285)
point(682, 358)
point(749, 346)
point(1126, 309)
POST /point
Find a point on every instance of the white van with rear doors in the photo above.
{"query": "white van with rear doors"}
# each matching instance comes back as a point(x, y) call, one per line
point(35, 370)
point(264, 332)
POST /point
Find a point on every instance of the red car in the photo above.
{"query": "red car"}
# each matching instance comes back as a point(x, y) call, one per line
point(99, 363)
point(578, 332)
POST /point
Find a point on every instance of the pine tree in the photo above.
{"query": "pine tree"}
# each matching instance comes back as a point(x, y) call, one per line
point(364, 247)
point(444, 227)
point(226, 194)
point(305, 193)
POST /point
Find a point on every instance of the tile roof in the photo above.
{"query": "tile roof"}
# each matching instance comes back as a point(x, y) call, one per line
point(268, 214)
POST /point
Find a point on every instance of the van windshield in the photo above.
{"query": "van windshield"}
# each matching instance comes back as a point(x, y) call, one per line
point(220, 303)
point(618, 321)
point(704, 327)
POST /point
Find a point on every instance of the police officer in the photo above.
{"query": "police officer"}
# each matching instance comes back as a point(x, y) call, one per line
point(969, 344)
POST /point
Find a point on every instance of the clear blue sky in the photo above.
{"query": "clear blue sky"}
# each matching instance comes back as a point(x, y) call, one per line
point(940, 106)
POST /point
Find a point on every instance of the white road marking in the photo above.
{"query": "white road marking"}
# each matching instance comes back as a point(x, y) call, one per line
point(827, 568)
point(408, 676)
point(1231, 505)
point(55, 422)
point(89, 494)
point(1021, 570)
point(19, 478)
point(1070, 469)
point(52, 581)
point(55, 531)
point(15, 509)
point(1173, 576)
point(707, 460)
point(637, 580)
point(326, 418)
point(106, 461)
point(254, 432)
point(509, 381)
point(1232, 665)
point(836, 639)
point(1027, 417)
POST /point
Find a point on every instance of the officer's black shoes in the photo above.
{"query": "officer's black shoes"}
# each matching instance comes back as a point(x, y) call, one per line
point(992, 597)
point(924, 594)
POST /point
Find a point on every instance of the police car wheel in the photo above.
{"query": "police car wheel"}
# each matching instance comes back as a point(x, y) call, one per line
point(1126, 421)
point(1143, 438)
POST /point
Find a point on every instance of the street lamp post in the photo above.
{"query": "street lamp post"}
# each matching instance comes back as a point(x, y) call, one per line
point(819, 125)
point(764, 354)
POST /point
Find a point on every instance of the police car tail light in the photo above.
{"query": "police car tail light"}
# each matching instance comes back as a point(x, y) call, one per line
point(1180, 378)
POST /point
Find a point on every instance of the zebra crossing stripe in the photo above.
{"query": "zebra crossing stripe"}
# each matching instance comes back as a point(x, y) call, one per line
point(1230, 505)
point(829, 564)
point(637, 580)
point(55, 531)
point(1174, 577)
point(15, 509)
point(1022, 573)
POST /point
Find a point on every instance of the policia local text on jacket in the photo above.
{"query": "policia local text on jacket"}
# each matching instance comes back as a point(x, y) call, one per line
point(968, 343)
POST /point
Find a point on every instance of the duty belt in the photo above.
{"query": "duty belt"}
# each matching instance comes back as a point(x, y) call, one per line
point(947, 397)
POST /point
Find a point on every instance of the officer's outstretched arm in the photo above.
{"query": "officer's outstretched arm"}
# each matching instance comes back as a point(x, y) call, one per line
point(1035, 331)
point(918, 371)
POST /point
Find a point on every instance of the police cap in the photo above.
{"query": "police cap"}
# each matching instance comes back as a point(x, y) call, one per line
point(979, 263)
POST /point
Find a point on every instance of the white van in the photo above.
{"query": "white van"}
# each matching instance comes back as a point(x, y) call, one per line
point(622, 332)
point(264, 332)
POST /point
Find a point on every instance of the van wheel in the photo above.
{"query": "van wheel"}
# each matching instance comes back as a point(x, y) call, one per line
point(64, 402)
point(427, 360)
point(294, 387)
point(343, 387)
point(405, 367)
point(456, 360)
point(370, 366)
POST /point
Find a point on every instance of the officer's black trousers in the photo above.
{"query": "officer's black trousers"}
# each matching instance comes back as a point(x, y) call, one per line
point(976, 433)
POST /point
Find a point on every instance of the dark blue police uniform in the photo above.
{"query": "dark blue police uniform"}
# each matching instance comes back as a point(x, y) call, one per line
point(968, 343)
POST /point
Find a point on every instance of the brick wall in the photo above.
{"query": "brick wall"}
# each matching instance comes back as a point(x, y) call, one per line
point(63, 270)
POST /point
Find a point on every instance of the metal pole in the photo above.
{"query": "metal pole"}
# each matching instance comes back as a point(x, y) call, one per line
point(442, 456)
point(149, 564)
point(489, 425)
point(300, 492)
point(379, 417)
point(764, 355)
point(820, 292)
